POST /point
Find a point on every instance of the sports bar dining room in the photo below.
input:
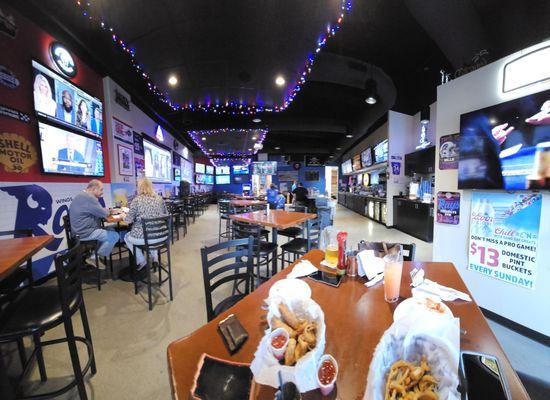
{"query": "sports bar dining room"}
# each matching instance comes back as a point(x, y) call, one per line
point(232, 200)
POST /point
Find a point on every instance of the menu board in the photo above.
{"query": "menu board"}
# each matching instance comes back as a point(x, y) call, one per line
point(357, 162)
point(346, 167)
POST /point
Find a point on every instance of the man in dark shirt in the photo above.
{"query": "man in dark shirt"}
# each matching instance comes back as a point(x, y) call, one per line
point(300, 194)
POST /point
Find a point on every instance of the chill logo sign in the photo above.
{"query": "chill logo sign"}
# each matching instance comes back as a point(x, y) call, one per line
point(504, 233)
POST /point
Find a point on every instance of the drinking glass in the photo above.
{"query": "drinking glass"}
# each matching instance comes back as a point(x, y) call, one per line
point(393, 269)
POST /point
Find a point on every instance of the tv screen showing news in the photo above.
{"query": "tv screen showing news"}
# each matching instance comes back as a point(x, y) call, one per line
point(158, 162)
point(59, 100)
point(240, 170)
point(223, 170)
point(223, 179)
point(264, 168)
point(65, 152)
point(210, 170)
point(366, 158)
point(381, 151)
point(200, 168)
point(506, 146)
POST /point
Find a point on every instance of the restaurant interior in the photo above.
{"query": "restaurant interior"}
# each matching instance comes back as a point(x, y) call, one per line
point(333, 199)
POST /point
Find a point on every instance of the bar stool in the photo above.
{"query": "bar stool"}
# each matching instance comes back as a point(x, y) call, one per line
point(294, 231)
point(300, 246)
point(40, 309)
point(224, 210)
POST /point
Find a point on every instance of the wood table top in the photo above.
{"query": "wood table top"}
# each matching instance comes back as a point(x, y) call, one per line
point(279, 219)
point(16, 251)
point(247, 203)
point(355, 317)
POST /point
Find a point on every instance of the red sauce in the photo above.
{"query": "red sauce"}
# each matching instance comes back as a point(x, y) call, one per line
point(327, 372)
point(278, 341)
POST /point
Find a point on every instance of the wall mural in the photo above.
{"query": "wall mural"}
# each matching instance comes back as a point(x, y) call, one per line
point(17, 154)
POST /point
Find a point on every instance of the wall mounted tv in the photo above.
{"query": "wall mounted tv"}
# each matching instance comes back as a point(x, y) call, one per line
point(223, 179)
point(506, 146)
point(366, 158)
point(203, 179)
point(210, 170)
point(57, 99)
point(240, 179)
point(186, 171)
point(240, 170)
point(200, 168)
point(264, 168)
point(356, 162)
point(381, 151)
point(223, 170)
point(158, 162)
point(346, 167)
point(65, 152)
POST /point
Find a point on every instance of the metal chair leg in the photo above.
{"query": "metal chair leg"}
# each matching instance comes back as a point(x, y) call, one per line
point(149, 294)
point(98, 271)
point(71, 342)
point(88, 335)
point(40, 357)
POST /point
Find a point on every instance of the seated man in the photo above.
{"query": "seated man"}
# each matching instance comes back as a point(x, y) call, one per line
point(85, 213)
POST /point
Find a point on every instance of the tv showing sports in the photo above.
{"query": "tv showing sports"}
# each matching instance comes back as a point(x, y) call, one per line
point(158, 162)
point(57, 99)
point(65, 152)
point(240, 170)
point(356, 165)
point(346, 167)
point(264, 168)
point(506, 146)
point(203, 179)
point(223, 170)
point(381, 151)
point(210, 170)
point(366, 158)
point(223, 179)
point(200, 168)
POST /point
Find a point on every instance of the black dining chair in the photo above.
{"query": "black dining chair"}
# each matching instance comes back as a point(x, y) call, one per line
point(40, 309)
point(300, 246)
point(263, 251)
point(293, 231)
point(221, 267)
point(157, 234)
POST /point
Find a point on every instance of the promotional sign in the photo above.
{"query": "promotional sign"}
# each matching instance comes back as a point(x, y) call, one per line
point(448, 208)
point(504, 231)
point(125, 160)
point(449, 151)
point(17, 154)
point(138, 144)
point(122, 131)
point(395, 167)
point(13, 113)
point(140, 167)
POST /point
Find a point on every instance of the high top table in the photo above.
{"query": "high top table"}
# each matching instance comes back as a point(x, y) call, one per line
point(355, 318)
point(275, 219)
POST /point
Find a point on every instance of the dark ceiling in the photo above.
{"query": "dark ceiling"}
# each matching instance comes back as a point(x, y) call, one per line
point(232, 51)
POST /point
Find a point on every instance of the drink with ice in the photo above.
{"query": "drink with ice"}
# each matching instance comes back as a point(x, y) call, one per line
point(393, 269)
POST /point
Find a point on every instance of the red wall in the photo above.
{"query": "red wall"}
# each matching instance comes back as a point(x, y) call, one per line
point(31, 42)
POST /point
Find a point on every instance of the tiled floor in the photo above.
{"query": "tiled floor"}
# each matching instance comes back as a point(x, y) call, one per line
point(130, 342)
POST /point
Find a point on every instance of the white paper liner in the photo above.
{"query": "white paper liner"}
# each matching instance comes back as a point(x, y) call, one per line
point(433, 335)
point(265, 366)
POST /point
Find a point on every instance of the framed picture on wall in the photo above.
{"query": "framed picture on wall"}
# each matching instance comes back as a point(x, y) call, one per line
point(125, 158)
point(312, 176)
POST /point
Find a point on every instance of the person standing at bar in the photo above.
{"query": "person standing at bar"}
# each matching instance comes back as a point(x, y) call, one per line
point(300, 195)
point(272, 193)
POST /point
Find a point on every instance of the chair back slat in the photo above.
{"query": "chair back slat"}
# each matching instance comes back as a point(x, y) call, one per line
point(297, 208)
point(313, 232)
point(157, 230)
point(68, 270)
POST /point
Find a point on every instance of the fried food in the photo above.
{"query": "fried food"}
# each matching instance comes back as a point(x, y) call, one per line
point(407, 381)
point(289, 352)
point(301, 348)
point(277, 323)
point(309, 335)
point(289, 317)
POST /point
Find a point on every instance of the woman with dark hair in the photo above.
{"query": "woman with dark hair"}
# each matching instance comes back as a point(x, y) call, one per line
point(83, 115)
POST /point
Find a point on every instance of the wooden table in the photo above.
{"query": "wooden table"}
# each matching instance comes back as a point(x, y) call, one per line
point(355, 317)
point(14, 253)
point(247, 203)
point(275, 219)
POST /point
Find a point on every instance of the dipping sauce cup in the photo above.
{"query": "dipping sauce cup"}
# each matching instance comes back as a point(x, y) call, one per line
point(327, 372)
point(277, 342)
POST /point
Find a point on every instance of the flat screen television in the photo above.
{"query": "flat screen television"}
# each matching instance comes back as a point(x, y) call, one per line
point(177, 174)
point(381, 151)
point(210, 170)
point(158, 162)
point(506, 146)
point(240, 170)
point(346, 167)
point(366, 158)
point(356, 162)
point(240, 179)
point(186, 171)
point(66, 152)
point(223, 179)
point(200, 168)
point(223, 170)
point(312, 176)
point(264, 168)
point(57, 99)
point(203, 179)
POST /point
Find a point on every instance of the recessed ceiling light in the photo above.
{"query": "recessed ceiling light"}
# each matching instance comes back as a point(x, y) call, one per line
point(253, 137)
point(277, 148)
point(249, 149)
point(330, 156)
point(338, 148)
point(209, 149)
point(370, 100)
point(256, 120)
point(172, 80)
point(203, 138)
point(349, 136)
point(280, 80)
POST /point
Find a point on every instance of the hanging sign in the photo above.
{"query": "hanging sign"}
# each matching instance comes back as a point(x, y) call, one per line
point(448, 208)
point(13, 113)
point(504, 232)
point(448, 151)
point(17, 154)
point(62, 59)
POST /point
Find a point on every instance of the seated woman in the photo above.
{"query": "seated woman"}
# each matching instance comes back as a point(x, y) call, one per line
point(147, 204)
